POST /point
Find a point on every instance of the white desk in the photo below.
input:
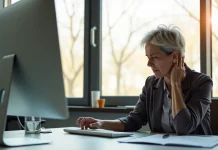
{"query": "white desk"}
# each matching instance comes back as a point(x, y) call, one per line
point(65, 141)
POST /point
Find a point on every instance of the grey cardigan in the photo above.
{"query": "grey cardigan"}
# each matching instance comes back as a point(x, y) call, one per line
point(194, 119)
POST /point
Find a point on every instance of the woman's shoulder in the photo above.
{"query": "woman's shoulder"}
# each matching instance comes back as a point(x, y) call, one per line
point(152, 80)
point(194, 74)
point(197, 77)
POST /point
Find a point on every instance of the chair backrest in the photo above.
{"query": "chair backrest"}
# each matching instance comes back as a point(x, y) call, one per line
point(214, 117)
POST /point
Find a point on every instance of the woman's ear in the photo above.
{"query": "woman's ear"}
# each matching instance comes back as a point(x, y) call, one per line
point(174, 60)
point(176, 54)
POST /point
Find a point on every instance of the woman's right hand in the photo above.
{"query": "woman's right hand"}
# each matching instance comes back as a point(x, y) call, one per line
point(88, 122)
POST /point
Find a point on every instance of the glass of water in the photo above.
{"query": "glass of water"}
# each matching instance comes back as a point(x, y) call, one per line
point(32, 125)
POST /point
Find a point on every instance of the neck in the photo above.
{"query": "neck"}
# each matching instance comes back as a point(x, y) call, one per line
point(167, 81)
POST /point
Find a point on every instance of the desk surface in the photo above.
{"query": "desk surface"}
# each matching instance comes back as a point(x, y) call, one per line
point(65, 141)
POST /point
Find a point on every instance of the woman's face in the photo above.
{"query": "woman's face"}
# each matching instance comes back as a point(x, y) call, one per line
point(160, 63)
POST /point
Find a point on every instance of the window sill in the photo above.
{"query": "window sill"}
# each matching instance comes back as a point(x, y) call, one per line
point(121, 109)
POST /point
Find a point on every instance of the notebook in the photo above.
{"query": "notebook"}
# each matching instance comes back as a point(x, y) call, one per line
point(207, 141)
point(97, 132)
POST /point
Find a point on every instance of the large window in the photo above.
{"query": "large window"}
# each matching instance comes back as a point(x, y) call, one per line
point(14, 1)
point(124, 65)
point(9, 2)
point(214, 20)
point(99, 41)
point(70, 18)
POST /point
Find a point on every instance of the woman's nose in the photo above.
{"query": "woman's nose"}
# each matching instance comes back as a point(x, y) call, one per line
point(149, 63)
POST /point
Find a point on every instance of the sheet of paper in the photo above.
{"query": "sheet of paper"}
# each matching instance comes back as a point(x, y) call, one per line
point(184, 140)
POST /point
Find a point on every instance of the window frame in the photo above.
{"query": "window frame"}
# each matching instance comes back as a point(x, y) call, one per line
point(93, 55)
point(206, 39)
point(6, 3)
point(205, 55)
point(206, 36)
point(84, 101)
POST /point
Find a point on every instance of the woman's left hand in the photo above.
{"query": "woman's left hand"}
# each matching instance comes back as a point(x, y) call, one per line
point(178, 72)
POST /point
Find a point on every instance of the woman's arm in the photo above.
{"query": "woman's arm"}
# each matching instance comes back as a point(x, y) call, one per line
point(138, 117)
point(188, 113)
point(178, 74)
point(177, 99)
point(132, 122)
point(115, 125)
point(198, 102)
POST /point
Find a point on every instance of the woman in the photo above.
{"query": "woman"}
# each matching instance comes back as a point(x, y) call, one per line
point(175, 99)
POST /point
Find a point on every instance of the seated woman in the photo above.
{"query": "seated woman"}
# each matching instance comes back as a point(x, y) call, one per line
point(175, 99)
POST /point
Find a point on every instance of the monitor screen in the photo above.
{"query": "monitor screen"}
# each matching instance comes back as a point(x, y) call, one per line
point(28, 29)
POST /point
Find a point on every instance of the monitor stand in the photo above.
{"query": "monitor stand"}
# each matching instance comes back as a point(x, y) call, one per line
point(6, 69)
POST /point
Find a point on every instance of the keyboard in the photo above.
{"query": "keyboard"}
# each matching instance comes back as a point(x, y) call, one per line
point(97, 132)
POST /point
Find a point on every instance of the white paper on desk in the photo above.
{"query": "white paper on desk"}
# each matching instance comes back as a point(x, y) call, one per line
point(183, 140)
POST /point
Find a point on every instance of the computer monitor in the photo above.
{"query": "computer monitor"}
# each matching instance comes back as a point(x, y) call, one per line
point(31, 80)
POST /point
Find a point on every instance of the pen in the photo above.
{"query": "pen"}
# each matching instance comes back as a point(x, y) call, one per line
point(165, 136)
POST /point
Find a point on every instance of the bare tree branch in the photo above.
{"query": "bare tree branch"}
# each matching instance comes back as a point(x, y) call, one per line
point(147, 23)
point(71, 78)
point(80, 28)
point(66, 77)
point(124, 55)
point(109, 33)
point(113, 49)
point(77, 73)
point(215, 4)
point(68, 62)
point(215, 36)
point(116, 21)
point(110, 29)
point(125, 46)
point(130, 36)
point(73, 38)
point(64, 25)
point(122, 14)
point(71, 65)
point(129, 55)
point(189, 12)
point(195, 18)
point(67, 11)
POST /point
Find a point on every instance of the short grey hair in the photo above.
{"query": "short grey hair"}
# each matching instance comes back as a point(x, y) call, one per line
point(167, 38)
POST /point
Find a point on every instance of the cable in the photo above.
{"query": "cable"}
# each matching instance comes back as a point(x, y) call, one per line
point(20, 122)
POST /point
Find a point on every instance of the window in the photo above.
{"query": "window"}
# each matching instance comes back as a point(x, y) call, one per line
point(70, 18)
point(124, 22)
point(14, 1)
point(117, 66)
point(214, 20)
point(8, 2)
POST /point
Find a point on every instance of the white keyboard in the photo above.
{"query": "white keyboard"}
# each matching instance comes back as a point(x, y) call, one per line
point(97, 132)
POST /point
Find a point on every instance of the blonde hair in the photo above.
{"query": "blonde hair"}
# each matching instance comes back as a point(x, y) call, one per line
point(167, 38)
